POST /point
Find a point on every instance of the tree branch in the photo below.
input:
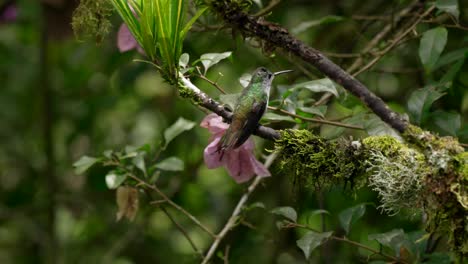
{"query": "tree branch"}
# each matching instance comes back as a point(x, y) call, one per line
point(279, 37)
point(233, 219)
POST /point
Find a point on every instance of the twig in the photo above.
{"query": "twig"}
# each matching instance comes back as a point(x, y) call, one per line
point(372, 44)
point(316, 120)
point(342, 55)
point(267, 9)
point(182, 230)
point(393, 43)
point(357, 244)
point(232, 220)
point(226, 254)
point(215, 84)
point(381, 35)
point(234, 216)
point(173, 204)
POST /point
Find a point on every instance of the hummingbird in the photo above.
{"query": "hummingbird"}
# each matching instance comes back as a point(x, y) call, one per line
point(249, 109)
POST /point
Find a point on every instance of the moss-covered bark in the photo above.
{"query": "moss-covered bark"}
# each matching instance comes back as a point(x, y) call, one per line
point(429, 174)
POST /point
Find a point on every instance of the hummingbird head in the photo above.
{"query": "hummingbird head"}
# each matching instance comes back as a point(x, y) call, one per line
point(263, 76)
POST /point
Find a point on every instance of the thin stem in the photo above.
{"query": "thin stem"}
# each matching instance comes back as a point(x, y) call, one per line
point(357, 244)
point(235, 214)
point(316, 120)
point(393, 43)
point(182, 230)
point(215, 84)
point(267, 9)
point(173, 204)
point(232, 220)
point(344, 239)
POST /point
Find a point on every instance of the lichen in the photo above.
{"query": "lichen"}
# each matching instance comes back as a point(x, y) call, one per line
point(396, 173)
point(91, 19)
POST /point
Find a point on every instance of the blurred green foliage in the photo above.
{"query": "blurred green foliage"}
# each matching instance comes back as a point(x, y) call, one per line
point(102, 100)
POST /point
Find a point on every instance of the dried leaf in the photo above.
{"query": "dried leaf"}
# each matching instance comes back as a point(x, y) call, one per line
point(127, 202)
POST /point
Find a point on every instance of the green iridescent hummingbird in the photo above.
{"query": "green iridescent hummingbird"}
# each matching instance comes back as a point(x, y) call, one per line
point(250, 107)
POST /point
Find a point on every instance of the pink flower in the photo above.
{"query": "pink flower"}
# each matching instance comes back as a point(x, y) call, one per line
point(9, 14)
point(240, 162)
point(126, 41)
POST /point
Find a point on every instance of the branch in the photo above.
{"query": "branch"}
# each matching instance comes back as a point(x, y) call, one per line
point(173, 204)
point(233, 219)
point(276, 36)
point(182, 230)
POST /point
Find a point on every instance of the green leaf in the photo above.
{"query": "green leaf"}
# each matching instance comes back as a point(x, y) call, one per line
point(84, 163)
point(312, 240)
point(449, 6)
point(210, 59)
point(275, 117)
point(176, 129)
point(285, 211)
point(170, 164)
point(317, 86)
point(420, 102)
point(446, 123)
point(255, 205)
point(114, 179)
point(349, 216)
point(184, 60)
point(451, 57)
point(322, 21)
point(374, 126)
point(448, 77)
point(432, 44)
point(315, 110)
point(318, 211)
point(139, 162)
point(393, 239)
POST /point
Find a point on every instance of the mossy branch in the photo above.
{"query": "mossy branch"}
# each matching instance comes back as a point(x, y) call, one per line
point(430, 177)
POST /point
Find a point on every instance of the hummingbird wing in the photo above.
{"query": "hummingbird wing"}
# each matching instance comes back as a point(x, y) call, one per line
point(251, 122)
point(241, 128)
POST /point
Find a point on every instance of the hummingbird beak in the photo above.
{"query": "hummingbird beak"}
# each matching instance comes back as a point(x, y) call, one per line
point(281, 72)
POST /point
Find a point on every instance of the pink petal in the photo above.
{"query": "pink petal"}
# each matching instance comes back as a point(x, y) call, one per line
point(211, 156)
point(259, 168)
point(125, 39)
point(239, 166)
point(9, 14)
point(214, 123)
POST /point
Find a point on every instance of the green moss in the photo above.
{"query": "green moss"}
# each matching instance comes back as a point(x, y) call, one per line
point(311, 161)
point(185, 92)
point(462, 165)
point(431, 175)
point(91, 19)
